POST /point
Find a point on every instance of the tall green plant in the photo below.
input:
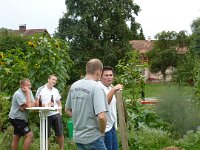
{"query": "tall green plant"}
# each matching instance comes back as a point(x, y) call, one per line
point(177, 107)
point(197, 79)
point(184, 73)
point(129, 72)
point(4, 111)
point(13, 67)
point(45, 56)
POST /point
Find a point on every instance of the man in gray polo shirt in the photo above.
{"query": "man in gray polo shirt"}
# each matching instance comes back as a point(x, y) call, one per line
point(86, 104)
point(18, 115)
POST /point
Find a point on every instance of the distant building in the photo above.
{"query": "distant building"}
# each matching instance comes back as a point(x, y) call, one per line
point(29, 32)
point(143, 46)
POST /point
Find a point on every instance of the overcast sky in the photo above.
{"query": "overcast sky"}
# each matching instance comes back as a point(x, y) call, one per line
point(155, 15)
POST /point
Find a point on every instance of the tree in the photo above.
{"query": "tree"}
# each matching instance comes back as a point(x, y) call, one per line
point(141, 35)
point(163, 55)
point(184, 73)
point(98, 28)
point(195, 45)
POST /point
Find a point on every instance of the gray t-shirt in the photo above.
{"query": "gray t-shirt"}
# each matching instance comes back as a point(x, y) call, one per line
point(86, 99)
point(19, 99)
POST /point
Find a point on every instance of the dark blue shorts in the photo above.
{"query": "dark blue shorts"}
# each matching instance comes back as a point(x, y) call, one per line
point(20, 127)
point(55, 122)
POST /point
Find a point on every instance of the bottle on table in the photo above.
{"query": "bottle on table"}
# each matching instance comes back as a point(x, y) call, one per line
point(40, 101)
point(52, 101)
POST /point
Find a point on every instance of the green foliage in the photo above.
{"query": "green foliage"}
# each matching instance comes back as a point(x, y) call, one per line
point(9, 40)
point(195, 46)
point(177, 107)
point(42, 57)
point(98, 29)
point(13, 68)
point(4, 111)
point(6, 138)
point(149, 139)
point(46, 56)
point(190, 141)
point(197, 79)
point(129, 74)
point(184, 73)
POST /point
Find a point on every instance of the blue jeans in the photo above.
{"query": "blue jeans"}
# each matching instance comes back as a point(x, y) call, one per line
point(96, 145)
point(111, 139)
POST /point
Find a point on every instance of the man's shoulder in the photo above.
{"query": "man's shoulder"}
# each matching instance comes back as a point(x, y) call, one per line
point(41, 87)
point(82, 83)
point(18, 92)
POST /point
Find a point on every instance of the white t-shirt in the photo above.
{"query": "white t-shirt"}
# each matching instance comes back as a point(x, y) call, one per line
point(112, 112)
point(46, 94)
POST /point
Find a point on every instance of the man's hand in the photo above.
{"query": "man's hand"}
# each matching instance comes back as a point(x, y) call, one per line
point(22, 107)
point(118, 87)
point(26, 89)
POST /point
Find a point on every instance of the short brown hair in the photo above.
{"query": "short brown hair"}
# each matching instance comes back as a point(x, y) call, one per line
point(23, 81)
point(93, 65)
point(106, 68)
point(52, 75)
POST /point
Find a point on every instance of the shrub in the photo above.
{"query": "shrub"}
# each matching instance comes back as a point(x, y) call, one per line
point(149, 139)
point(4, 110)
point(177, 107)
point(190, 141)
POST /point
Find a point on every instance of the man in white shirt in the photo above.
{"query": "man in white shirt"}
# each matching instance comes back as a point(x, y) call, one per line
point(106, 83)
point(50, 96)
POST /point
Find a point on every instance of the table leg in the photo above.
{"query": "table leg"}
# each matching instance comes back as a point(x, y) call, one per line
point(46, 131)
point(43, 130)
point(40, 114)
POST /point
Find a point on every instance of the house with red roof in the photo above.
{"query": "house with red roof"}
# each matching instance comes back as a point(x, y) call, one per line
point(29, 32)
point(143, 46)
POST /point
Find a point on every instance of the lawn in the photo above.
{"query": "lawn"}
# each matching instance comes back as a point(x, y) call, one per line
point(153, 90)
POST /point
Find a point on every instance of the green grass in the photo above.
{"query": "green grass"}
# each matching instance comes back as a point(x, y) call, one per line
point(153, 90)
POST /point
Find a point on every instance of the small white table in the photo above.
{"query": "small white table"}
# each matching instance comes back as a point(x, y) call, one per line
point(43, 113)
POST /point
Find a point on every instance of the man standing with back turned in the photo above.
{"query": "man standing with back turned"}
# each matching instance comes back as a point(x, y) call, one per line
point(86, 104)
point(106, 83)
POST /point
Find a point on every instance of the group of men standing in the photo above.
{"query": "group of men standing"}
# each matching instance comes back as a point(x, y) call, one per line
point(90, 102)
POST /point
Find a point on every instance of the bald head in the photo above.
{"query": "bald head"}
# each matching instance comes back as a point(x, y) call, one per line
point(93, 65)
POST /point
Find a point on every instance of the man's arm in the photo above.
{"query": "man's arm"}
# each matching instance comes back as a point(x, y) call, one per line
point(60, 105)
point(68, 111)
point(28, 96)
point(102, 122)
point(112, 92)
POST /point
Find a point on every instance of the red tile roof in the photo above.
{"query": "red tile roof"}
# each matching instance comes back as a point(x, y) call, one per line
point(142, 45)
point(29, 32)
